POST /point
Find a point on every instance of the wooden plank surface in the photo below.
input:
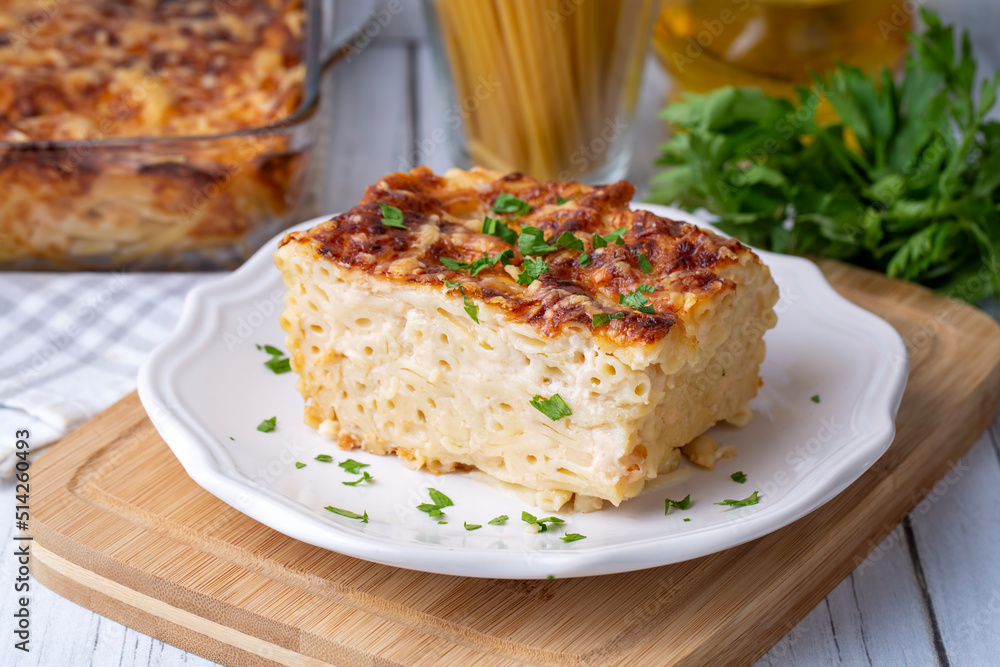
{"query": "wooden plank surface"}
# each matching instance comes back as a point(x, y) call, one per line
point(120, 528)
point(880, 615)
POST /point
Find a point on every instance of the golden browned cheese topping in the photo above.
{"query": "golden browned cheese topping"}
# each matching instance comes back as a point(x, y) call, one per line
point(444, 217)
point(97, 69)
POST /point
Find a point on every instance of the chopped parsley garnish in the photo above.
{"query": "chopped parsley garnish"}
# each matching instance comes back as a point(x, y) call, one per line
point(472, 526)
point(749, 500)
point(500, 229)
point(480, 264)
point(532, 520)
point(554, 408)
point(685, 519)
point(532, 242)
point(508, 203)
point(443, 523)
point(278, 363)
point(470, 308)
point(560, 201)
point(584, 259)
point(267, 425)
point(739, 477)
point(531, 269)
point(567, 240)
point(299, 465)
point(551, 577)
point(364, 478)
point(352, 466)
point(347, 513)
point(572, 537)
point(637, 300)
point(600, 319)
point(677, 504)
point(498, 521)
point(440, 501)
point(232, 438)
point(324, 458)
point(815, 398)
point(615, 237)
point(391, 216)
point(644, 264)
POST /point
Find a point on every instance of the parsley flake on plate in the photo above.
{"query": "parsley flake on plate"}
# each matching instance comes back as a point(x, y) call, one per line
point(600, 319)
point(436, 508)
point(749, 500)
point(364, 478)
point(554, 407)
point(815, 398)
point(299, 465)
point(572, 537)
point(677, 504)
point(267, 425)
point(540, 524)
point(508, 203)
point(347, 513)
point(352, 466)
point(391, 216)
point(499, 520)
point(324, 458)
point(472, 526)
point(739, 477)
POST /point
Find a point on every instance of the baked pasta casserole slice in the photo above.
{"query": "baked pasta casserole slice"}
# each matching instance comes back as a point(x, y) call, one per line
point(540, 332)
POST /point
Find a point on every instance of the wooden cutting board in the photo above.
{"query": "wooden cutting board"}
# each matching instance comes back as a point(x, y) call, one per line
point(119, 528)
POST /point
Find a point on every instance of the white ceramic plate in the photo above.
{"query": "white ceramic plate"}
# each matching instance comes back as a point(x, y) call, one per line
point(207, 390)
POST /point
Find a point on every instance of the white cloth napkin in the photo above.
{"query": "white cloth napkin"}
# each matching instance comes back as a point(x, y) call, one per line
point(71, 345)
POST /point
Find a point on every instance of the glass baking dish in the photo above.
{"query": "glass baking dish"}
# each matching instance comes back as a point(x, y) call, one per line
point(162, 202)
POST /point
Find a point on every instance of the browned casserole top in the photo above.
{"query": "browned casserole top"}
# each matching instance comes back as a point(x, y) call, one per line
point(444, 215)
point(96, 69)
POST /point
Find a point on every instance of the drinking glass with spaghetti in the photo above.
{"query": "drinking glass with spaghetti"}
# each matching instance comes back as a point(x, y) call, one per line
point(546, 87)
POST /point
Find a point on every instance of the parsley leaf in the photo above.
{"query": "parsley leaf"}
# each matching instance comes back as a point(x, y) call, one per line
point(470, 308)
point(637, 300)
point(572, 537)
point(478, 265)
point(568, 240)
point(364, 478)
point(584, 259)
point(739, 477)
point(440, 501)
point(352, 466)
point(391, 216)
point(277, 363)
point(560, 201)
point(532, 520)
point(815, 398)
point(616, 237)
point(324, 458)
point(600, 319)
point(677, 504)
point(498, 521)
point(644, 264)
point(554, 408)
point(508, 203)
point(267, 425)
point(749, 500)
point(299, 465)
point(500, 229)
point(531, 269)
point(532, 242)
point(273, 351)
point(472, 526)
point(347, 513)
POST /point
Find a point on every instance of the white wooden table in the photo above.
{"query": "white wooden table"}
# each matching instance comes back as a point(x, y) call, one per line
point(929, 594)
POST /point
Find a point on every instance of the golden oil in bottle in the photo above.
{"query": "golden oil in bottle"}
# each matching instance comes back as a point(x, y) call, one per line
point(776, 44)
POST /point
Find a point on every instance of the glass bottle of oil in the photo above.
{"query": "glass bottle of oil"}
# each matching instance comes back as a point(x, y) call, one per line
point(775, 44)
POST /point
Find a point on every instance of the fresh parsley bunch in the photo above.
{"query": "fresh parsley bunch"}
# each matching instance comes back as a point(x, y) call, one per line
point(905, 181)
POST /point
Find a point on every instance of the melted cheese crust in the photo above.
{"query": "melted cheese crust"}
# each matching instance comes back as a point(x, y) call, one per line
point(389, 360)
